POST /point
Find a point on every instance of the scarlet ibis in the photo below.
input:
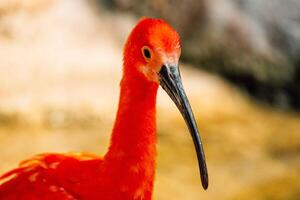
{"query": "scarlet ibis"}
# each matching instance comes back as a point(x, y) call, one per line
point(126, 172)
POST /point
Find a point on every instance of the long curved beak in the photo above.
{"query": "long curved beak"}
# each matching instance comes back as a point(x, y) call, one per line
point(170, 80)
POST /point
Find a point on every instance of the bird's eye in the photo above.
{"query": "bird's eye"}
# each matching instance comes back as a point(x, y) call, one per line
point(146, 53)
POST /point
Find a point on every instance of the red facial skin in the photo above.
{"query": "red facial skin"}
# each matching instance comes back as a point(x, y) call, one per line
point(127, 170)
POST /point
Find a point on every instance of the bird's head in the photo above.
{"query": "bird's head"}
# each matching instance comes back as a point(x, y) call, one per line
point(151, 53)
point(151, 45)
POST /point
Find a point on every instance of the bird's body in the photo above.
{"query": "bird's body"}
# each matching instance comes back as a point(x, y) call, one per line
point(50, 176)
point(126, 172)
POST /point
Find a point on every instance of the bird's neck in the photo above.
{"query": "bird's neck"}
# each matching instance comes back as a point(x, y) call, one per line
point(135, 124)
point(131, 155)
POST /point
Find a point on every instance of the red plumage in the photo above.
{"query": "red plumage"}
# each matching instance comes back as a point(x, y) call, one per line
point(127, 170)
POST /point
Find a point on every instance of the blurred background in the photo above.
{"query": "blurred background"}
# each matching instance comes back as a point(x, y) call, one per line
point(60, 67)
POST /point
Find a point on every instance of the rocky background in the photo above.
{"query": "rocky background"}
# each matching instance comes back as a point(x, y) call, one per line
point(252, 43)
point(60, 67)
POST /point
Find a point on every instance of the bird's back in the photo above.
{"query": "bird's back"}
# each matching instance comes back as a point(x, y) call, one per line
point(50, 176)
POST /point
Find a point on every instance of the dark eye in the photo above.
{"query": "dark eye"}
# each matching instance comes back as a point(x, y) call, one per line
point(146, 53)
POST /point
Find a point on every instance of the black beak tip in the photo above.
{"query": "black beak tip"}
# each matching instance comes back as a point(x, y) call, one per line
point(205, 183)
point(204, 176)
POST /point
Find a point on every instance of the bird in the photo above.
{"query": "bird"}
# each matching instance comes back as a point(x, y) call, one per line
point(127, 171)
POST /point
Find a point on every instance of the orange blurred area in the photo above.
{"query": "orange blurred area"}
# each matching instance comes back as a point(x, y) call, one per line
point(60, 68)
